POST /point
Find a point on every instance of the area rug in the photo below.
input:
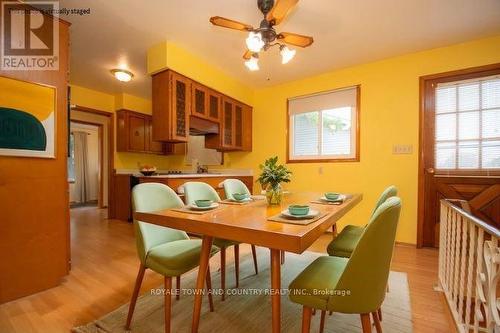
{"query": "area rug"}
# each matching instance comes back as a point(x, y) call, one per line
point(244, 310)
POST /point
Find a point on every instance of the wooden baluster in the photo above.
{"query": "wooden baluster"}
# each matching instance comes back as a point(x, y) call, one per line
point(470, 272)
point(458, 235)
point(479, 265)
point(463, 254)
point(452, 256)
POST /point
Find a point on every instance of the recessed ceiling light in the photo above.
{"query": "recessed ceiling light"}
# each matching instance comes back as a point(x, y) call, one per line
point(122, 75)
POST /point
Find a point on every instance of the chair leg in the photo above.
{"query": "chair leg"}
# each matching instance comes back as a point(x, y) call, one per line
point(379, 312)
point(135, 294)
point(283, 257)
point(237, 264)
point(330, 313)
point(322, 322)
point(178, 287)
point(376, 321)
point(366, 323)
point(209, 290)
point(306, 319)
point(313, 311)
point(254, 254)
point(168, 302)
point(223, 272)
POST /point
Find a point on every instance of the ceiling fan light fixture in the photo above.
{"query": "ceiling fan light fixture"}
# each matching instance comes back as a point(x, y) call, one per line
point(122, 75)
point(252, 63)
point(286, 54)
point(254, 41)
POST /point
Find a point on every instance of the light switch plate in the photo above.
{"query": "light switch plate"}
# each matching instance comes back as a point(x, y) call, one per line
point(402, 149)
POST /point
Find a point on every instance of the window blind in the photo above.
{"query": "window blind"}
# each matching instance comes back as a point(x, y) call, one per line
point(467, 124)
point(323, 101)
point(323, 126)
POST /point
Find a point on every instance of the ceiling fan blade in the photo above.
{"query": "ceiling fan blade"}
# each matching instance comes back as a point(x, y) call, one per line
point(280, 10)
point(231, 24)
point(247, 55)
point(295, 39)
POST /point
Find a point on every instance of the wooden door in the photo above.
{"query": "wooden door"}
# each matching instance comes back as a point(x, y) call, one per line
point(460, 146)
point(199, 101)
point(181, 102)
point(136, 132)
point(214, 105)
point(34, 227)
point(227, 123)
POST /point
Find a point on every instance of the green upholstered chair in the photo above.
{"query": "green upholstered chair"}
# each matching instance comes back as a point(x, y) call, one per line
point(356, 285)
point(166, 251)
point(199, 190)
point(232, 186)
point(346, 240)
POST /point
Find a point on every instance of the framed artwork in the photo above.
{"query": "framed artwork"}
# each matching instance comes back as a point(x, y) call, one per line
point(27, 119)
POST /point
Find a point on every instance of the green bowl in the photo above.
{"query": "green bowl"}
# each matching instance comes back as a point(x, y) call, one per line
point(332, 195)
point(240, 196)
point(298, 210)
point(203, 203)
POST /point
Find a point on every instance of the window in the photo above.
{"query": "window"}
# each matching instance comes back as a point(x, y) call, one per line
point(324, 127)
point(467, 124)
point(71, 158)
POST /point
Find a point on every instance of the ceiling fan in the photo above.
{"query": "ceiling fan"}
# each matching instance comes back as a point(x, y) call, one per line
point(265, 36)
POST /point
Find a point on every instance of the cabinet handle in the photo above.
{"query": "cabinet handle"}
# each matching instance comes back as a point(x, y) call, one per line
point(430, 170)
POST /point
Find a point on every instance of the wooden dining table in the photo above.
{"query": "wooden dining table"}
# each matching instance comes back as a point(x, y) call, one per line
point(250, 224)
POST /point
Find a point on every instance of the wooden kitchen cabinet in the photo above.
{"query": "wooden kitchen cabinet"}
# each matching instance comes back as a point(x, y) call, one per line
point(235, 128)
point(214, 105)
point(205, 102)
point(135, 135)
point(171, 107)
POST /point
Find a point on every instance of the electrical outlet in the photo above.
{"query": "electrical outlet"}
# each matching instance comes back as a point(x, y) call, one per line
point(402, 149)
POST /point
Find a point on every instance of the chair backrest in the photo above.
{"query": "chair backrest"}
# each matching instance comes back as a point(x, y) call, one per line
point(151, 197)
point(232, 186)
point(367, 271)
point(199, 191)
point(390, 191)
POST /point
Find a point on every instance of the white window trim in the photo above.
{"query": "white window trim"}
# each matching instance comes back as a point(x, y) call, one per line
point(352, 157)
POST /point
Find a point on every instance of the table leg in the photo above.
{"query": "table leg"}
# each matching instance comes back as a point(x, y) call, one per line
point(206, 246)
point(275, 289)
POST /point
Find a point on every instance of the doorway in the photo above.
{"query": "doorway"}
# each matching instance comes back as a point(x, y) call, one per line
point(104, 122)
point(459, 146)
point(85, 164)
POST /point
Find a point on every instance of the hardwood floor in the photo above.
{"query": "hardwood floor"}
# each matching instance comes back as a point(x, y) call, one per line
point(105, 265)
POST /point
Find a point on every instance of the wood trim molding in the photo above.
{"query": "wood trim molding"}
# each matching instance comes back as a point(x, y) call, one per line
point(424, 145)
point(356, 157)
point(111, 143)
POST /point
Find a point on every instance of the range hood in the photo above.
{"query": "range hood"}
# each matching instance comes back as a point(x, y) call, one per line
point(198, 126)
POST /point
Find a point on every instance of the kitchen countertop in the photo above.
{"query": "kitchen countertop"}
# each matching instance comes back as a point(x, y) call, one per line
point(195, 175)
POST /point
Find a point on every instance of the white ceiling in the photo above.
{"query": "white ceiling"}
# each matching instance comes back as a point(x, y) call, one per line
point(119, 32)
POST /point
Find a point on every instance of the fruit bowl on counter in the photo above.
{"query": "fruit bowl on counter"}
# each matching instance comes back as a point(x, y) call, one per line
point(147, 170)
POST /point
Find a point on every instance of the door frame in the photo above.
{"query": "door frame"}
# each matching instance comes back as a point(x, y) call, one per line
point(424, 144)
point(111, 143)
point(100, 158)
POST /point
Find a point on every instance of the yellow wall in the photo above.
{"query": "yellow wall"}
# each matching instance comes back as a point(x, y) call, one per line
point(389, 115)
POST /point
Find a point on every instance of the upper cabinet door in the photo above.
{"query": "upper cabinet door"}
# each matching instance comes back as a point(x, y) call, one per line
point(238, 126)
point(181, 102)
point(136, 133)
point(199, 102)
point(214, 105)
point(153, 146)
point(227, 123)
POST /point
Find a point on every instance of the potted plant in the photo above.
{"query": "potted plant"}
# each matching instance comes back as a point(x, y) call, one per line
point(271, 178)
